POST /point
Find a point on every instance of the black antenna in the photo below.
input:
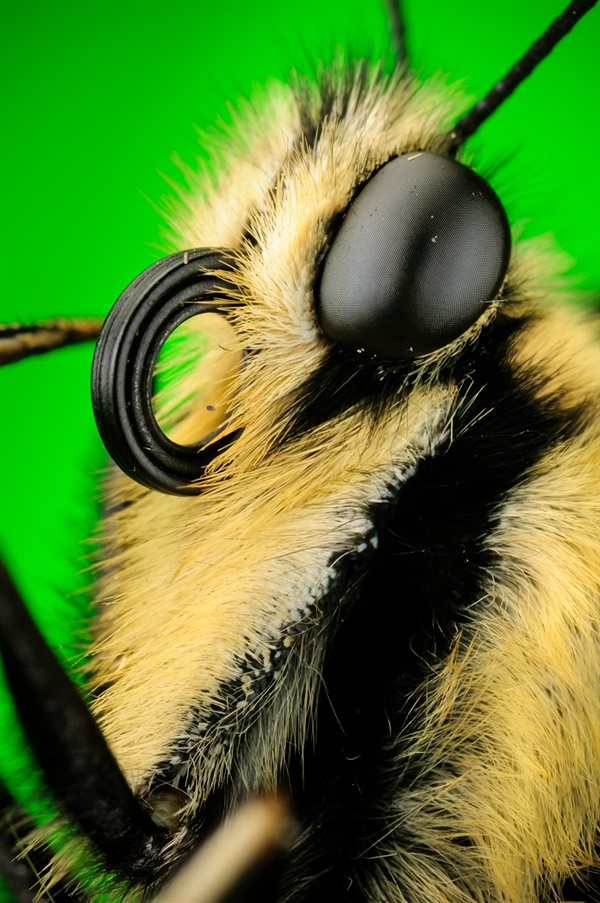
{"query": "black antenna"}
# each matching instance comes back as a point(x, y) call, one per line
point(561, 26)
point(399, 29)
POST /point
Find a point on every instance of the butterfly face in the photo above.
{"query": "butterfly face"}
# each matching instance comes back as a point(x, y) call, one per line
point(379, 594)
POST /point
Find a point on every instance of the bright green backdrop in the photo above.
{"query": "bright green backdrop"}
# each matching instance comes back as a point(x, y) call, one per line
point(98, 97)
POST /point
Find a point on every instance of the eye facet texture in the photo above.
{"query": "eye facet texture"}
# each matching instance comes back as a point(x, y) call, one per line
point(420, 252)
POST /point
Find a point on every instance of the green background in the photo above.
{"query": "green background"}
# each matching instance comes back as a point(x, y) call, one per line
point(100, 96)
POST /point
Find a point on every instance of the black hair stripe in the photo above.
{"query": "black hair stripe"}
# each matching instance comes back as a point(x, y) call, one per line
point(429, 572)
point(348, 379)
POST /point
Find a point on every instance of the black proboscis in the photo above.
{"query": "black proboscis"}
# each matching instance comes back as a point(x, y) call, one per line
point(159, 300)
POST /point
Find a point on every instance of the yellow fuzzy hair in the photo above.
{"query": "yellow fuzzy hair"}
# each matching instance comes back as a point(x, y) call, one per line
point(190, 585)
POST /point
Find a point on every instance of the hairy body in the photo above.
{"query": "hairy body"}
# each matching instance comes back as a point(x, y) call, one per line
point(385, 597)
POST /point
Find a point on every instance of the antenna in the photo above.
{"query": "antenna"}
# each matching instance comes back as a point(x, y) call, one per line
point(399, 29)
point(470, 122)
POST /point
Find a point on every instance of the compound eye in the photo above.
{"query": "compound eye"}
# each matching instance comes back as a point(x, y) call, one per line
point(419, 254)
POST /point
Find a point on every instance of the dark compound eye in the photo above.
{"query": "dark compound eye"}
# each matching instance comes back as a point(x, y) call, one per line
point(420, 252)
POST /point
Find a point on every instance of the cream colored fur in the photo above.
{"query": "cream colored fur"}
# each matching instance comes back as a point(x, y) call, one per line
point(189, 585)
